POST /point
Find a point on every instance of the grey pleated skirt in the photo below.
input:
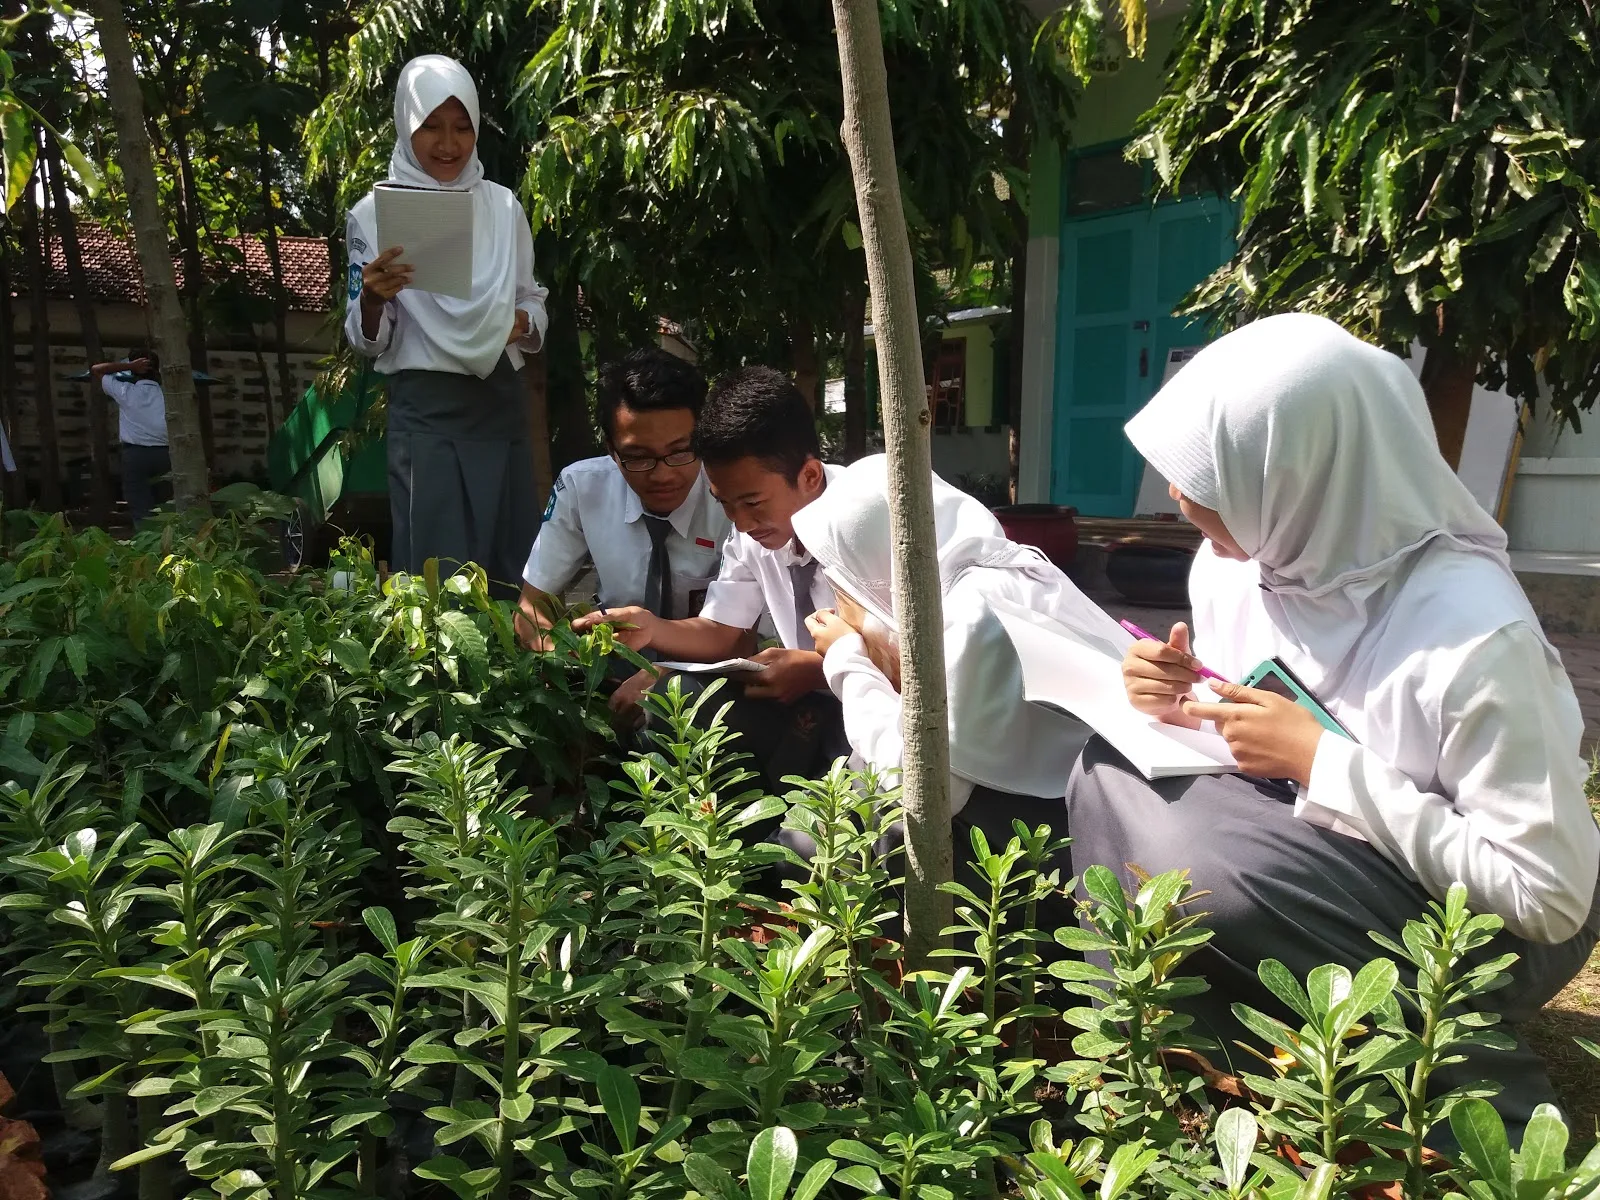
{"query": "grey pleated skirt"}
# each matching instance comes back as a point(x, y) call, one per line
point(460, 473)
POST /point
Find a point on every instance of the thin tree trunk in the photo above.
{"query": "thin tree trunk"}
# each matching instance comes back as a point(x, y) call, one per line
point(1448, 380)
point(35, 235)
point(925, 764)
point(280, 294)
point(190, 222)
point(190, 486)
point(89, 325)
point(16, 492)
point(803, 359)
point(330, 189)
point(855, 374)
point(1018, 143)
point(536, 379)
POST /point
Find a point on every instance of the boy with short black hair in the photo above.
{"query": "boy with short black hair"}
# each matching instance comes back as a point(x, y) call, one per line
point(642, 514)
point(757, 439)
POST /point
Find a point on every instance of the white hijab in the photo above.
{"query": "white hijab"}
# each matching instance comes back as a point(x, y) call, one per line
point(474, 330)
point(1317, 451)
point(996, 737)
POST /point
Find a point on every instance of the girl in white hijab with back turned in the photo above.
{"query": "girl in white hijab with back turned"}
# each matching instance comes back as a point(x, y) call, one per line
point(459, 485)
point(1340, 542)
point(1008, 759)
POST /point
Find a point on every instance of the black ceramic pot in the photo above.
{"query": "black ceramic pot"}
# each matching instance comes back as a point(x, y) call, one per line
point(1157, 576)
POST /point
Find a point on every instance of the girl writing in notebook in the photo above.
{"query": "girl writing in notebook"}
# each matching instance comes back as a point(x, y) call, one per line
point(459, 485)
point(1340, 542)
point(1009, 760)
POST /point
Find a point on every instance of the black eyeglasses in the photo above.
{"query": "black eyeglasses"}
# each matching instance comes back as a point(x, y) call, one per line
point(678, 458)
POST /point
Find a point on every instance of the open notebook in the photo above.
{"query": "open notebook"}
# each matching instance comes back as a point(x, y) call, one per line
point(1079, 672)
point(434, 228)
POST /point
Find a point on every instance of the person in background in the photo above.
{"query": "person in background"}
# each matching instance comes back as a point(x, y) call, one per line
point(1341, 543)
point(757, 439)
point(1009, 760)
point(141, 427)
point(460, 485)
point(642, 514)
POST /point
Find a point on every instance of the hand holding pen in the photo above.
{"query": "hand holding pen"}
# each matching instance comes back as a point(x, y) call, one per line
point(1159, 676)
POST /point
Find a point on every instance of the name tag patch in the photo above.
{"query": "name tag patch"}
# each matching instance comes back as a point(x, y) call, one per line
point(706, 542)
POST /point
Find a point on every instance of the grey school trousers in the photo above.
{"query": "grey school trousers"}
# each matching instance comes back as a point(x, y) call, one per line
point(1283, 888)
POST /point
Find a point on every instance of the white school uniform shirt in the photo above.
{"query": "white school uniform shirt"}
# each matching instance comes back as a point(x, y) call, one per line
point(1466, 763)
point(1378, 579)
point(141, 410)
point(997, 739)
point(756, 581)
point(594, 517)
point(403, 342)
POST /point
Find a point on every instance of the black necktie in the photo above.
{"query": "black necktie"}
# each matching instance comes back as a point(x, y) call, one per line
point(801, 575)
point(658, 583)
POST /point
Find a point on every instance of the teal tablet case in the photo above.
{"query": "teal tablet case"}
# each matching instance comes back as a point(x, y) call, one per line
point(1288, 685)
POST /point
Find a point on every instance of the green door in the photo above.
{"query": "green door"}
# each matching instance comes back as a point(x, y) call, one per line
point(1122, 273)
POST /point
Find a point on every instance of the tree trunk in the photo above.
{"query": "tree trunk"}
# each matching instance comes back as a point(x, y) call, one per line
point(803, 359)
point(1018, 142)
point(190, 222)
point(925, 764)
point(16, 492)
point(89, 323)
point(855, 375)
point(190, 486)
point(35, 234)
point(280, 294)
point(536, 378)
point(1448, 380)
point(330, 189)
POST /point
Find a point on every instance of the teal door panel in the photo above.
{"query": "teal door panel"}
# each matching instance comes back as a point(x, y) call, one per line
point(1121, 276)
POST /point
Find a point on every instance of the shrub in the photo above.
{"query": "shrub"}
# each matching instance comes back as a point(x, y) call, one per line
point(325, 892)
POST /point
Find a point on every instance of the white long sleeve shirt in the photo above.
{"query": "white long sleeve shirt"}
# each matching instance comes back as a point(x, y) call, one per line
point(401, 342)
point(872, 710)
point(1505, 813)
point(1465, 765)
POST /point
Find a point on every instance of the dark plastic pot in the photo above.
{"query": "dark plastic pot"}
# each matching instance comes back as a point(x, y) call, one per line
point(1157, 576)
point(1052, 529)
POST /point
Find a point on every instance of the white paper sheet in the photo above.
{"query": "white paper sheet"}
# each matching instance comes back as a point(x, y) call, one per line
point(728, 666)
point(1081, 674)
point(434, 229)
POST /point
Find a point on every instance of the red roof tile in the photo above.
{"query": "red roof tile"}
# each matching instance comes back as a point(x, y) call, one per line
point(113, 268)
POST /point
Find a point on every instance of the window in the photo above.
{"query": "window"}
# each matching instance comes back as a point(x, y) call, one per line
point(1103, 180)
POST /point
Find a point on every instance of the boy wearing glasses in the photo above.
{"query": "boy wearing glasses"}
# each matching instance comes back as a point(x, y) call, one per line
point(642, 514)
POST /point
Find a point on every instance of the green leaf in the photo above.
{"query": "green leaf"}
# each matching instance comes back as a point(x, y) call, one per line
point(351, 655)
point(1544, 1144)
point(89, 180)
point(709, 1177)
point(814, 1180)
point(1482, 1138)
point(1548, 248)
point(21, 151)
point(1236, 1135)
point(1373, 985)
point(863, 1179)
point(1280, 981)
point(467, 640)
point(381, 922)
point(770, 1165)
point(1127, 1166)
point(1319, 1184)
point(1102, 883)
point(619, 1095)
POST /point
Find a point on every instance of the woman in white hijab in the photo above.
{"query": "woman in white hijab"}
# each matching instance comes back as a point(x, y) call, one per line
point(1340, 542)
point(1008, 759)
point(459, 485)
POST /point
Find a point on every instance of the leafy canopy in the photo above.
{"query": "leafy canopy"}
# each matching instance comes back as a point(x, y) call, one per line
point(1416, 171)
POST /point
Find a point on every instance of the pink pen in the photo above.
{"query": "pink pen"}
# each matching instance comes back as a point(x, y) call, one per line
point(1205, 671)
